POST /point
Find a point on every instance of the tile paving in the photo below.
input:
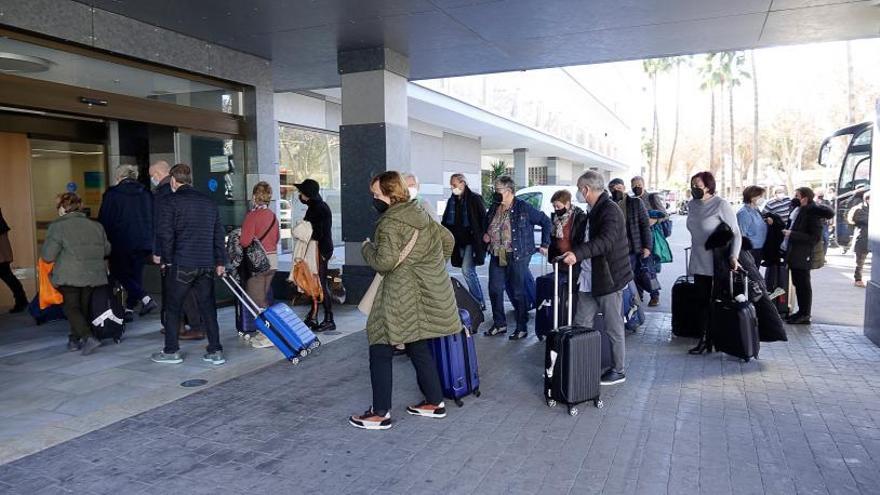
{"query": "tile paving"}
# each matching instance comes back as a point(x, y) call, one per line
point(804, 418)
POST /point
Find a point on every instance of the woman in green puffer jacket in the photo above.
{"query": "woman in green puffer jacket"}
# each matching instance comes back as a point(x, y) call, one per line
point(415, 302)
point(77, 245)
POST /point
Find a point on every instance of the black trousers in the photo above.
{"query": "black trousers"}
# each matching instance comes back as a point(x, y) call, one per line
point(381, 361)
point(77, 306)
point(325, 284)
point(13, 283)
point(703, 285)
point(127, 268)
point(181, 280)
point(804, 290)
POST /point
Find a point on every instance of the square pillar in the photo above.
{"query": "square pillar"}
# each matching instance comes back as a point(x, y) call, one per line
point(373, 138)
point(553, 170)
point(872, 292)
point(521, 167)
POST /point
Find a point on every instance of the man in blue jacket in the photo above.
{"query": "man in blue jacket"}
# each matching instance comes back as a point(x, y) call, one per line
point(510, 234)
point(127, 216)
point(192, 251)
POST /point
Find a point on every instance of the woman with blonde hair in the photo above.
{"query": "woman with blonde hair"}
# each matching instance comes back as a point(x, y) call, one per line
point(261, 225)
point(414, 302)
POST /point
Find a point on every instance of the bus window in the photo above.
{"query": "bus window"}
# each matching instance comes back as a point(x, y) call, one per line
point(862, 175)
point(862, 139)
point(847, 173)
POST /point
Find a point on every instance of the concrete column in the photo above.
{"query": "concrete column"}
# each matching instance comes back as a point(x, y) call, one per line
point(374, 137)
point(521, 167)
point(872, 293)
point(552, 170)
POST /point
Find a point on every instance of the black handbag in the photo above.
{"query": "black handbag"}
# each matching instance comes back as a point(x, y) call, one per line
point(255, 253)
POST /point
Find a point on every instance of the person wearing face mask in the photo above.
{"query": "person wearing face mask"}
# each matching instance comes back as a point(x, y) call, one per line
point(318, 213)
point(779, 204)
point(192, 251)
point(412, 186)
point(751, 222)
point(706, 212)
point(605, 269)
point(127, 216)
point(510, 234)
point(465, 217)
point(414, 303)
point(858, 217)
point(261, 224)
point(652, 201)
point(641, 240)
point(77, 245)
point(803, 249)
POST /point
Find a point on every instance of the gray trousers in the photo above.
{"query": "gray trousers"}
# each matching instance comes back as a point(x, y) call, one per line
point(610, 305)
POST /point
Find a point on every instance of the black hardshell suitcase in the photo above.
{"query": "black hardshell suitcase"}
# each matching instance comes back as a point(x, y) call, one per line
point(466, 301)
point(685, 301)
point(734, 324)
point(544, 322)
point(572, 362)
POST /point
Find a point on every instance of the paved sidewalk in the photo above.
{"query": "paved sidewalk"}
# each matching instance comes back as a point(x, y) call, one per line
point(51, 395)
point(805, 418)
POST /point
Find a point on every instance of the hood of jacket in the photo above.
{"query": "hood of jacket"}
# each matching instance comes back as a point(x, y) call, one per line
point(409, 213)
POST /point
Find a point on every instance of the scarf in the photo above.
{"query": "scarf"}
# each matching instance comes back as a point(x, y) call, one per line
point(559, 223)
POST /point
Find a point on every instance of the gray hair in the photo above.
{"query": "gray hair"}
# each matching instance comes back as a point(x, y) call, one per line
point(409, 175)
point(126, 172)
point(505, 182)
point(591, 179)
point(457, 177)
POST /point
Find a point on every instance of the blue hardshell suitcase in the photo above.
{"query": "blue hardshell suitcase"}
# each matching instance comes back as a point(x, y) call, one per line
point(633, 314)
point(51, 313)
point(279, 324)
point(456, 359)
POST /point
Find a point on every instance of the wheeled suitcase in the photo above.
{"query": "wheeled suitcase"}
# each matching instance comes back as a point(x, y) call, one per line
point(107, 312)
point(466, 301)
point(685, 302)
point(633, 314)
point(544, 298)
point(279, 324)
point(529, 285)
point(777, 276)
point(244, 321)
point(456, 359)
point(45, 315)
point(733, 327)
point(572, 361)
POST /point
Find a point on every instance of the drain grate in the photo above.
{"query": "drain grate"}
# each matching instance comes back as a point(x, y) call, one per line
point(193, 383)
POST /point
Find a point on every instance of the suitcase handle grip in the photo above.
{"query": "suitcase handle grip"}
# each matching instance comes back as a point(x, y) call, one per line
point(240, 294)
point(556, 262)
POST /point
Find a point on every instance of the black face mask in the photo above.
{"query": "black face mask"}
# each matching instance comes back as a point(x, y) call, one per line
point(638, 191)
point(697, 193)
point(380, 205)
point(795, 203)
point(497, 197)
point(616, 195)
point(561, 212)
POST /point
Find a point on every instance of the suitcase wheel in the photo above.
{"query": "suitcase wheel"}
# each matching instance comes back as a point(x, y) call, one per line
point(573, 411)
point(315, 344)
point(117, 340)
point(477, 393)
point(551, 403)
point(458, 402)
point(294, 360)
point(599, 404)
point(303, 353)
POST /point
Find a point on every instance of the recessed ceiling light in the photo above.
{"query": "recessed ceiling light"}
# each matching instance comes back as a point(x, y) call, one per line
point(16, 63)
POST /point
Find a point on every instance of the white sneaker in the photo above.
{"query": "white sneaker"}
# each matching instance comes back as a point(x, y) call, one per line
point(260, 342)
point(776, 293)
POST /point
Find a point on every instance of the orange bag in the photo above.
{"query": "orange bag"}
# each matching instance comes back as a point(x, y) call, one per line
point(49, 295)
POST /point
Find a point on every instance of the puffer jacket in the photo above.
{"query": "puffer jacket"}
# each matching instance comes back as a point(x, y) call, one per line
point(805, 249)
point(77, 245)
point(190, 233)
point(607, 248)
point(415, 301)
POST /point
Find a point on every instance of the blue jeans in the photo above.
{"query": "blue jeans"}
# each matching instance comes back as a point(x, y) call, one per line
point(469, 272)
point(498, 275)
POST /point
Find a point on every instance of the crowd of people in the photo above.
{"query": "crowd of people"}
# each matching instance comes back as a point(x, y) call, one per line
point(608, 244)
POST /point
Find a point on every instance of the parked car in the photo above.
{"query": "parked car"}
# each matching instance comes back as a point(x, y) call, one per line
point(539, 197)
point(285, 212)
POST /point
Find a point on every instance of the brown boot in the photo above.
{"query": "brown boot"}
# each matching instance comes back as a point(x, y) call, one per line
point(192, 335)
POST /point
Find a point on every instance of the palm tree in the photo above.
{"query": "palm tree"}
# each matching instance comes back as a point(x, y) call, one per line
point(677, 62)
point(755, 130)
point(712, 78)
point(733, 68)
point(653, 67)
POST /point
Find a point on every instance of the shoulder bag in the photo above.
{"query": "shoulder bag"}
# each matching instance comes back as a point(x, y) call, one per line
point(366, 304)
point(258, 260)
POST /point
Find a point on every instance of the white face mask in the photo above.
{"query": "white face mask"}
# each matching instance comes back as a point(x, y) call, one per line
point(457, 191)
point(413, 192)
point(154, 182)
point(61, 211)
point(580, 197)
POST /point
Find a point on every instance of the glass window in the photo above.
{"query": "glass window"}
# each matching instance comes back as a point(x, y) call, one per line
point(308, 154)
point(532, 198)
point(863, 138)
point(847, 173)
point(862, 175)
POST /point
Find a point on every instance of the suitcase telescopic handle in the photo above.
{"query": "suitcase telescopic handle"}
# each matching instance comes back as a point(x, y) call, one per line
point(241, 294)
point(556, 263)
point(745, 285)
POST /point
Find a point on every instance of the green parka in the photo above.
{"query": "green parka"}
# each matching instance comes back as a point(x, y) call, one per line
point(78, 246)
point(415, 301)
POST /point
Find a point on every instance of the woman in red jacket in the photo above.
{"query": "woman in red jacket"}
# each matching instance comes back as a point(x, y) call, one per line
point(261, 224)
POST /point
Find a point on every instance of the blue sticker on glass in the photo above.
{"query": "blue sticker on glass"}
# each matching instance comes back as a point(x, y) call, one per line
point(212, 185)
point(71, 187)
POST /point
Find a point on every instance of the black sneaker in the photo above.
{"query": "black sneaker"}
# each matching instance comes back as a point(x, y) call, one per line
point(129, 316)
point(148, 308)
point(518, 335)
point(89, 346)
point(612, 377)
point(312, 323)
point(328, 325)
point(18, 308)
point(495, 330)
point(371, 421)
point(799, 320)
point(73, 345)
point(428, 410)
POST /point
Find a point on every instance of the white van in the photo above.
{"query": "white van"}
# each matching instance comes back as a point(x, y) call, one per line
point(539, 197)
